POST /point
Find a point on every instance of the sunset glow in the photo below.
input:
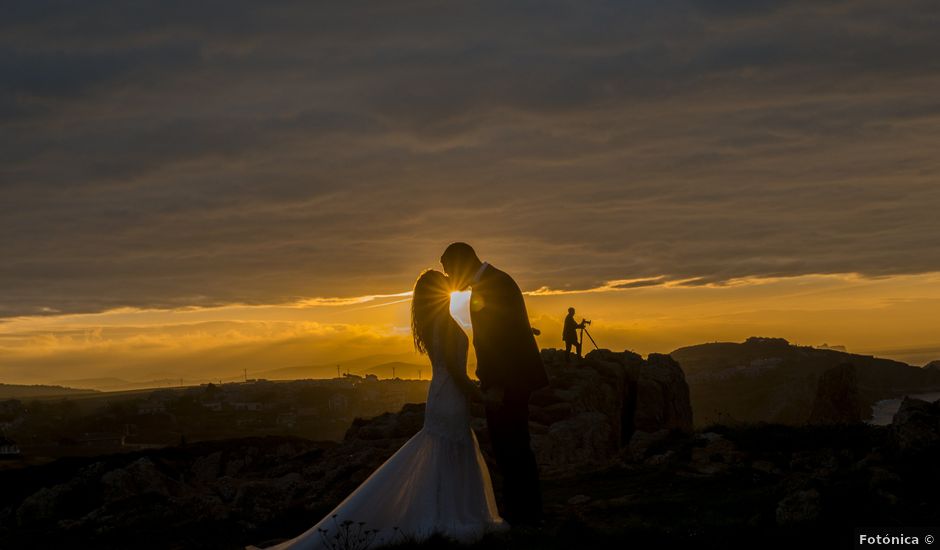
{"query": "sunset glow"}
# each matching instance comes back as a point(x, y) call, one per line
point(890, 316)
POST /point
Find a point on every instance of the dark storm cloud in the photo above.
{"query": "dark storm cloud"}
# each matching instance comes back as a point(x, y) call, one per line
point(175, 153)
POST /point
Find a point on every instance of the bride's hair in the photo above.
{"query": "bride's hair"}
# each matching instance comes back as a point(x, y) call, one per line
point(430, 302)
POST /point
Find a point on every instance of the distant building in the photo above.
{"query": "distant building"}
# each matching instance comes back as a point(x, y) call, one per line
point(213, 406)
point(247, 406)
point(151, 407)
point(8, 448)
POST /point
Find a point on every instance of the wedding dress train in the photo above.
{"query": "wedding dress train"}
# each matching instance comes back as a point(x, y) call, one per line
point(437, 482)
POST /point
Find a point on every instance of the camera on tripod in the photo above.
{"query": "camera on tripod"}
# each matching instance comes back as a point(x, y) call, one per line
point(583, 328)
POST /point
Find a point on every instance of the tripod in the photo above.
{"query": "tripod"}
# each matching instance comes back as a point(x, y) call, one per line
point(584, 331)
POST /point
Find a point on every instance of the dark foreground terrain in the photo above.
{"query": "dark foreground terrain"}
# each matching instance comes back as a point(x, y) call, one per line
point(621, 467)
point(766, 485)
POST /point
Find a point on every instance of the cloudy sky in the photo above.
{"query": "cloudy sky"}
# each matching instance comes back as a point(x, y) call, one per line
point(185, 184)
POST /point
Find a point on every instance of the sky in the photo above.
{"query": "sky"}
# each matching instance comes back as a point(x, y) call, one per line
point(193, 189)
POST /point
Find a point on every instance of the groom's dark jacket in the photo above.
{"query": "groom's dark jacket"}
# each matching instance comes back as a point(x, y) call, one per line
point(507, 354)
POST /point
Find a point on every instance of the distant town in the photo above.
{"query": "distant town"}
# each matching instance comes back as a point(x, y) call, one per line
point(37, 429)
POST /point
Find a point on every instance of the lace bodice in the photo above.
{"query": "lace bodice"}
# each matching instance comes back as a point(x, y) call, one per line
point(447, 412)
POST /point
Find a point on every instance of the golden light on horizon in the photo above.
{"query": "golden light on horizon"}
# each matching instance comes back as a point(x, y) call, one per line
point(887, 316)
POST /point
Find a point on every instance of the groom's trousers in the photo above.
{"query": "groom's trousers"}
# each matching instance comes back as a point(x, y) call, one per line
point(508, 425)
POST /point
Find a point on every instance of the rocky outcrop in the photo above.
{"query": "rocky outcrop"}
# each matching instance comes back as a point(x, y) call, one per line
point(769, 380)
point(916, 426)
point(590, 411)
point(837, 398)
point(662, 397)
point(594, 407)
point(605, 407)
point(386, 426)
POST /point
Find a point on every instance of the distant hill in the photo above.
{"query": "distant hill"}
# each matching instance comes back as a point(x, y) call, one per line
point(16, 391)
point(772, 380)
point(380, 365)
point(119, 384)
point(104, 384)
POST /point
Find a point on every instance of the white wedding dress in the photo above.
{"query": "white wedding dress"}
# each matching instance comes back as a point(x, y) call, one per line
point(437, 482)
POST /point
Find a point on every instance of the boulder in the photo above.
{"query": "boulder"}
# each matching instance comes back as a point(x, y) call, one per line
point(139, 477)
point(596, 406)
point(402, 424)
point(640, 442)
point(662, 398)
point(578, 440)
point(916, 426)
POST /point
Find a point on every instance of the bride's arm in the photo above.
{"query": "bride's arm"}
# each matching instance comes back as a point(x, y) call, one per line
point(456, 366)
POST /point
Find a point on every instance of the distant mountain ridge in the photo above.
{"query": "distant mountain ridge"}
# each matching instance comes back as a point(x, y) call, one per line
point(769, 379)
point(20, 391)
point(379, 364)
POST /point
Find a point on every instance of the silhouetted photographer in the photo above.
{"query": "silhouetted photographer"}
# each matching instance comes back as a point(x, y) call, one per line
point(570, 334)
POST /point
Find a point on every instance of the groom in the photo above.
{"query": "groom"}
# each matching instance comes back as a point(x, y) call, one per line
point(509, 367)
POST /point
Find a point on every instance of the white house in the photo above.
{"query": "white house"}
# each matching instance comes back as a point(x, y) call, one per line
point(8, 448)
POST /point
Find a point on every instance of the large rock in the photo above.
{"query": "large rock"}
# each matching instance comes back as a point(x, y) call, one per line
point(593, 407)
point(837, 398)
point(590, 410)
point(405, 423)
point(916, 425)
point(662, 399)
point(138, 478)
point(580, 439)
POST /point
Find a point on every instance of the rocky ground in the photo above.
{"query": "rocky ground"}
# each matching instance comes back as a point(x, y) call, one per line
point(621, 466)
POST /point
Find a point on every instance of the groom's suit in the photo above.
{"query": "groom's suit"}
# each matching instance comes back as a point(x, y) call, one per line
point(508, 358)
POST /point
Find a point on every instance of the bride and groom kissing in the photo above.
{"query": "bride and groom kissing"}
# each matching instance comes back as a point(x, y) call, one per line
point(437, 483)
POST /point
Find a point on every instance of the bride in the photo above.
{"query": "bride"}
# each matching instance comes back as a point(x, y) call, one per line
point(437, 482)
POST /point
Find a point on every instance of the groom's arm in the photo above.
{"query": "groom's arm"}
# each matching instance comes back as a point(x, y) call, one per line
point(489, 339)
point(529, 368)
